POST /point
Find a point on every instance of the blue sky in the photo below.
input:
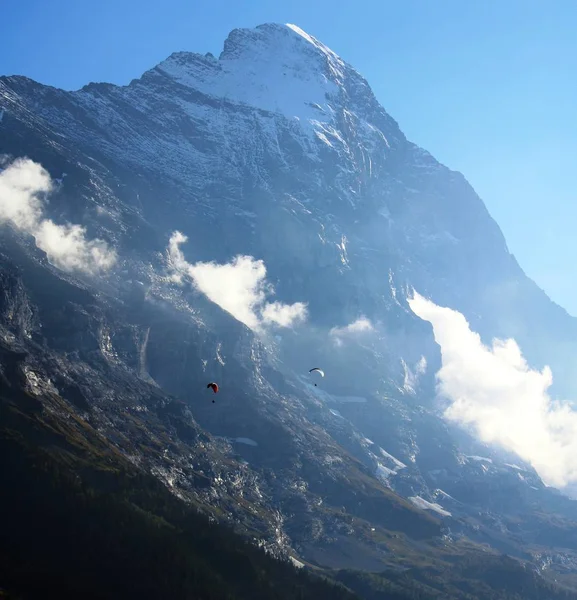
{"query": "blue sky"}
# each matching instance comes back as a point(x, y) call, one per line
point(488, 87)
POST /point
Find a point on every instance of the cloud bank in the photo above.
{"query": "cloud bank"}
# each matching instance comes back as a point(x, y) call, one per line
point(23, 184)
point(239, 287)
point(494, 390)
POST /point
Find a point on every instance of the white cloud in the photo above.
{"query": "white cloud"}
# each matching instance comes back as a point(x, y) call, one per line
point(239, 287)
point(494, 390)
point(68, 248)
point(23, 184)
point(176, 261)
point(361, 325)
point(284, 314)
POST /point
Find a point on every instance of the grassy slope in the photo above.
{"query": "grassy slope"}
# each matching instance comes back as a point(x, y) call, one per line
point(77, 520)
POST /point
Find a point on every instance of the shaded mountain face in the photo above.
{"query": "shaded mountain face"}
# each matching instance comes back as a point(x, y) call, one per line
point(277, 150)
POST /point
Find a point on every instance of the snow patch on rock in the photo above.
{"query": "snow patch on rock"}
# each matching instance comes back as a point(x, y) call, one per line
point(245, 440)
point(425, 505)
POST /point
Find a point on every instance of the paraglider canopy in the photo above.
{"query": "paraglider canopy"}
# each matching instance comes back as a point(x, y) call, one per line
point(317, 370)
point(322, 373)
point(214, 387)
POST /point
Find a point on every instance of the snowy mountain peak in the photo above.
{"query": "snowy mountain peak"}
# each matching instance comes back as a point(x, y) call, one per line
point(277, 68)
point(286, 44)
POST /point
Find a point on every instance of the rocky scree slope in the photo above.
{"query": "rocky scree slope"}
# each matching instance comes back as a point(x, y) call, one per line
point(279, 150)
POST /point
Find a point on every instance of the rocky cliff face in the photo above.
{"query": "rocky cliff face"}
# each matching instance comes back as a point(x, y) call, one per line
point(277, 150)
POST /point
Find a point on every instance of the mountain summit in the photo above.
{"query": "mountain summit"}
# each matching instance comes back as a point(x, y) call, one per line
point(242, 220)
point(276, 68)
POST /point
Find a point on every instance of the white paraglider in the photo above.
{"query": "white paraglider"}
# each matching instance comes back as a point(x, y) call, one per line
point(317, 370)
